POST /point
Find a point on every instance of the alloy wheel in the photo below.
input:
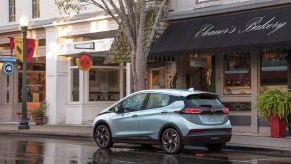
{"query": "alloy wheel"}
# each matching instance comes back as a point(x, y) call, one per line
point(171, 141)
point(103, 136)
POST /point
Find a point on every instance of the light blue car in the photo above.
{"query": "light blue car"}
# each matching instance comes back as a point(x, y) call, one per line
point(171, 118)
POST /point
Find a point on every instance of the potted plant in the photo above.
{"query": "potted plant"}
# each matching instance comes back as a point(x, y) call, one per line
point(40, 113)
point(275, 105)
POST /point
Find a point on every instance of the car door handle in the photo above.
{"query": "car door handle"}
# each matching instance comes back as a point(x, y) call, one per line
point(164, 112)
point(135, 115)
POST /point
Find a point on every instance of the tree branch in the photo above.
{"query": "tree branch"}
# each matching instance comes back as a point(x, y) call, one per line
point(126, 21)
point(106, 9)
point(130, 14)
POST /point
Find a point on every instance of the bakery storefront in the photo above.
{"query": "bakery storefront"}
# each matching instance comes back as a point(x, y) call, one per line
point(245, 53)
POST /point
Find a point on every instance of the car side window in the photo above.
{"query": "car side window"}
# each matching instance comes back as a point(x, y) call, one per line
point(157, 100)
point(133, 103)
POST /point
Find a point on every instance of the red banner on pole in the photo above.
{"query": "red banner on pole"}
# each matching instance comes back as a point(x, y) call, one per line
point(29, 49)
point(11, 45)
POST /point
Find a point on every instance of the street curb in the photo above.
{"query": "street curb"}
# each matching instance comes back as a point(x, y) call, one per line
point(48, 135)
point(259, 150)
point(89, 137)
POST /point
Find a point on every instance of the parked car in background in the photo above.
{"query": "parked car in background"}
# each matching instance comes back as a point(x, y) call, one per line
point(171, 118)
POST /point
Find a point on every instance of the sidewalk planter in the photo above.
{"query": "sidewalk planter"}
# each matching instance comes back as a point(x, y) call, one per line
point(40, 120)
point(40, 114)
point(277, 127)
point(275, 105)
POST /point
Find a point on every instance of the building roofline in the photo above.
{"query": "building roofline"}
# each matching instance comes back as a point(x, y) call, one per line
point(225, 8)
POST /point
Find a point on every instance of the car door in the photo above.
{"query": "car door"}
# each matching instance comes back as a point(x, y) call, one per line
point(154, 116)
point(125, 123)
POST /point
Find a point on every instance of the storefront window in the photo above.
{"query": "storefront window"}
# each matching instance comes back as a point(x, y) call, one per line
point(75, 94)
point(7, 90)
point(273, 70)
point(237, 74)
point(35, 82)
point(161, 75)
point(104, 81)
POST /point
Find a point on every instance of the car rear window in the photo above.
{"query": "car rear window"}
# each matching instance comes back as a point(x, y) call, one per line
point(204, 100)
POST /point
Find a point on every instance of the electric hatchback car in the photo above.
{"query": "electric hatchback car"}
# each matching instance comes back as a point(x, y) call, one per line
point(171, 118)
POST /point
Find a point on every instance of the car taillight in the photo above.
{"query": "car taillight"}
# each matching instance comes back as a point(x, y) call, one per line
point(225, 110)
point(192, 111)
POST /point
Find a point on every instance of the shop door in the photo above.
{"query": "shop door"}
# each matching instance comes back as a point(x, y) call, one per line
point(237, 86)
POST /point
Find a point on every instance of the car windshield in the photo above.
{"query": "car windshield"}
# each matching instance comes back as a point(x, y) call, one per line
point(204, 100)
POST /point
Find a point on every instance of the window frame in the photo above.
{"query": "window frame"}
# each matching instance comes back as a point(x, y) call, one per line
point(11, 10)
point(84, 91)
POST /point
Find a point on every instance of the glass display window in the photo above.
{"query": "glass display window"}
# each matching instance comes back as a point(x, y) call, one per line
point(36, 82)
point(106, 82)
point(75, 82)
point(273, 70)
point(237, 74)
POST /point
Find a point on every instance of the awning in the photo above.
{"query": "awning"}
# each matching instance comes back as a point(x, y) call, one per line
point(260, 28)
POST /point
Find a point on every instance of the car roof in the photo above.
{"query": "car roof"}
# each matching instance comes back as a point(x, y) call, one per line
point(177, 92)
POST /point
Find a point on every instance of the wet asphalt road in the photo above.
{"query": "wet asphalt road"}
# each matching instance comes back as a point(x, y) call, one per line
point(19, 150)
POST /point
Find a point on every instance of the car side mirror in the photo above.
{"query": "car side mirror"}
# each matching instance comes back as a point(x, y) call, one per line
point(116, 109)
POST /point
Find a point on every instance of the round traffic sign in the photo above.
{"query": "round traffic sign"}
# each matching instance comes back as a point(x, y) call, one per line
point(8, 68)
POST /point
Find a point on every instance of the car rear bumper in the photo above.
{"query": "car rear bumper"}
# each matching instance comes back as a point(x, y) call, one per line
point(207, 137)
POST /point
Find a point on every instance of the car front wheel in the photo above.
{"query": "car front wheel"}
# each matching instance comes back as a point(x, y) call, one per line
point(171, 141)
point(215, 147)
point(103, 136)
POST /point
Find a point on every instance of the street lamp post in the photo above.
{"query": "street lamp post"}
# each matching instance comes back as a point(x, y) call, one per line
point(24, 123)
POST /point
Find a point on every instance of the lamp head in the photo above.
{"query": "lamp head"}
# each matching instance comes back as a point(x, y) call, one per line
point(23, 21)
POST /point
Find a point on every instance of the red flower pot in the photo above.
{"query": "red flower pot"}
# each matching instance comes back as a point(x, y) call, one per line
point(277, 127)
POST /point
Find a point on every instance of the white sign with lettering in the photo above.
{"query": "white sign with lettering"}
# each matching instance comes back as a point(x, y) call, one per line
point(198, 62)
point(89, 45)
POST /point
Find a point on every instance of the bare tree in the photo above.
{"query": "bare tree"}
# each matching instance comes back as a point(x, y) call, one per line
point(130, 16)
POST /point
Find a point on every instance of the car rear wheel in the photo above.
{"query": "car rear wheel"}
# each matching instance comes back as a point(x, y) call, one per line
point(103, 136)
point(171, 141)
point(215, 147)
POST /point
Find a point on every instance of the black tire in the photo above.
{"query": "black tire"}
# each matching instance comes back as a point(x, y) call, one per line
point(171, 141)
point(215, 147)
point(103, 136)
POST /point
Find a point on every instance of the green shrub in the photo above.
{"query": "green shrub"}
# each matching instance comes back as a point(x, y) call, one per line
point(274, 102)
point(41, 111)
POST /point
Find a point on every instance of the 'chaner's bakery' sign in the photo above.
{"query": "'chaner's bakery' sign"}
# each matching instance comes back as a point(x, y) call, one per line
point(269, 25)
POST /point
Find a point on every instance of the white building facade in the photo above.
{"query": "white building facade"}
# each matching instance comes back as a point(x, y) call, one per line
point(73, 96)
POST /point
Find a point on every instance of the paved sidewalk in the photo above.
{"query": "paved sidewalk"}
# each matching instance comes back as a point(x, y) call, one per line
point(239, 141)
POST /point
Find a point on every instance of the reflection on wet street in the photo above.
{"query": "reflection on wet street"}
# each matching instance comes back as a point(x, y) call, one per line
point(27, 150)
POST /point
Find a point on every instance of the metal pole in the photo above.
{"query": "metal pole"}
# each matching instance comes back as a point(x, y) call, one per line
point(24, 123)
